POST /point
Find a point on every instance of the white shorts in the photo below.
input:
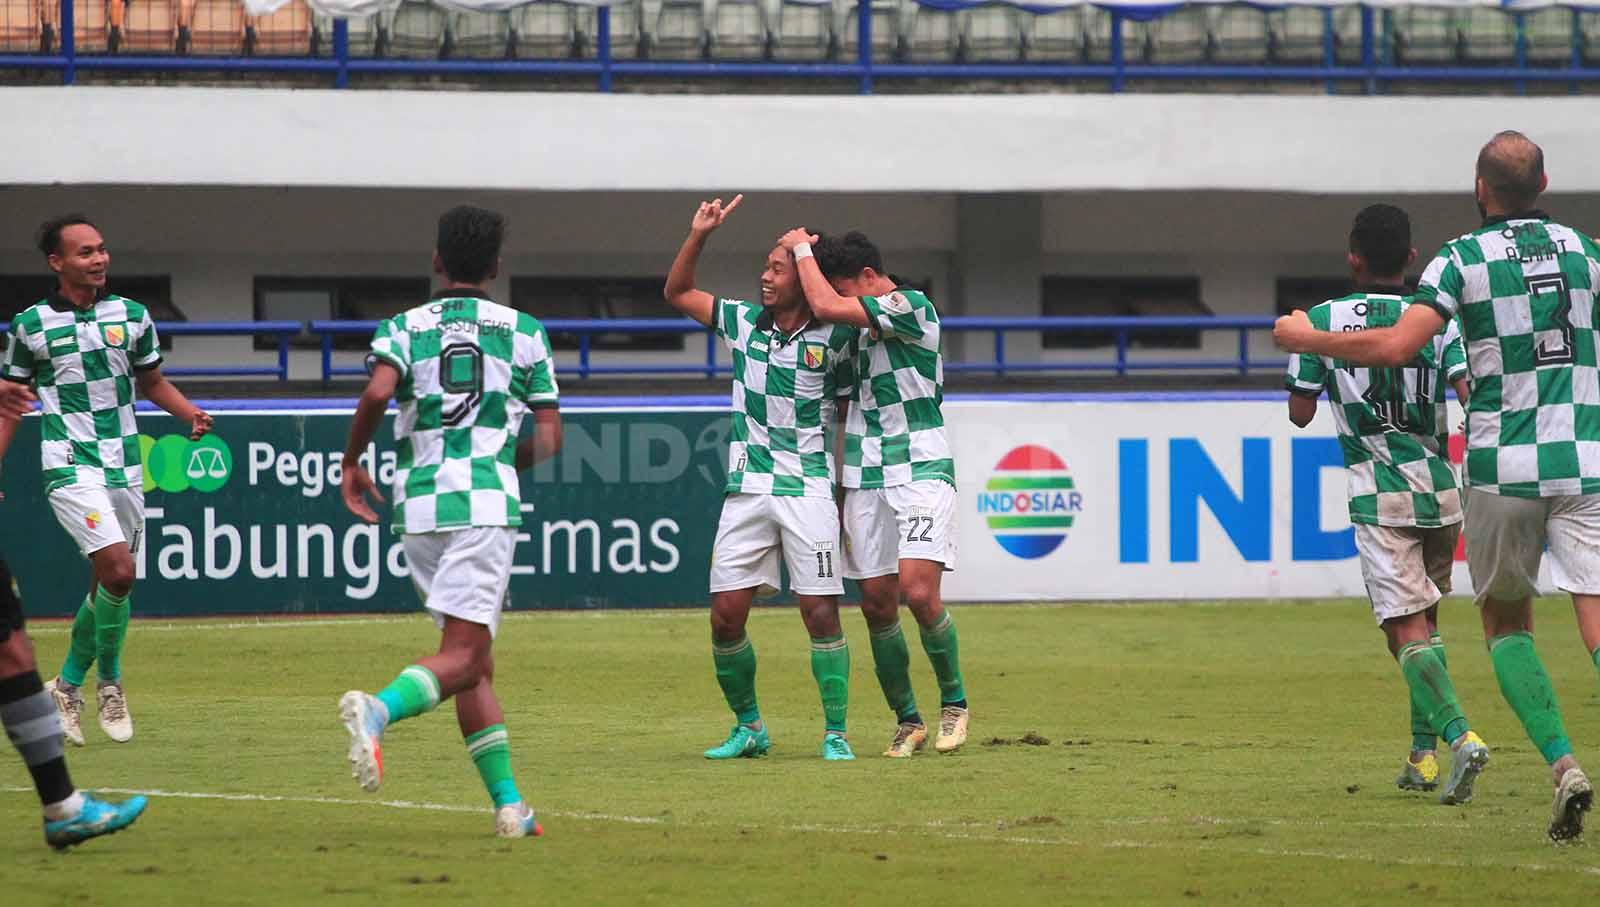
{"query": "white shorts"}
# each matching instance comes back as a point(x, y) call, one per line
point(1407, 569)
point(98, 517)
point(757, 530)
point(462, 574)
point(1506, 537)
point(882, 526)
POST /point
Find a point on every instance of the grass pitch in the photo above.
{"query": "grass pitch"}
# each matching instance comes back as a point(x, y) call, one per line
point(1185, 753)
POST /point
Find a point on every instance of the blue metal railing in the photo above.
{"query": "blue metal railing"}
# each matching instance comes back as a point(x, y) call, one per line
point(1123, 330)
point(281, 330)
point(1373, 73)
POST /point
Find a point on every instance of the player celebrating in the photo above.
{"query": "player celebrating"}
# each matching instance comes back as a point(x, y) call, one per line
point(1392, 425)
point(1522, 287)
point(465, 370)
point(30, 718)
point(86, 350)
point(899, 477)
point(788, 368)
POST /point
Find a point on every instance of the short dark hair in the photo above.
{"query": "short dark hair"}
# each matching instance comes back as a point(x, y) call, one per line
point(48, 236)
point(469, 242)
point(1513, 167)
point(847, 255)
point(1382, 235)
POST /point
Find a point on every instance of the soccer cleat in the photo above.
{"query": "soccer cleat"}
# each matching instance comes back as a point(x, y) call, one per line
point(1468, 758)
point(515, 820)
point(835, 748)
point(1574, 796)
point(743, 742)
point(95, 819)
point(365, 718)
point(909, 738)
point(113, 708)
point(952, 729)
point(69, 702)
point(1422, 774)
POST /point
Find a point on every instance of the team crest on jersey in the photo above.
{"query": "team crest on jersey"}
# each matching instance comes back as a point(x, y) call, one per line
point(115, 334)
point(92, 519)
point(813, 355)
point(896, 304)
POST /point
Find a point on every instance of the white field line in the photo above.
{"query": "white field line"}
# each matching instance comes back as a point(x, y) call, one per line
point(931, 829)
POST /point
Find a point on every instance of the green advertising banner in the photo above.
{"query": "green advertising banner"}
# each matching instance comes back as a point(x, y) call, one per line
point(249, 521)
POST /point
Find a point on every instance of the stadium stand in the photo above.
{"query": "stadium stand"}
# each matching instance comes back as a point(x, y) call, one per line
point(285, 32)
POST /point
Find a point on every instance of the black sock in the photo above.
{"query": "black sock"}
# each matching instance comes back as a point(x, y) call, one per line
point(35, 730)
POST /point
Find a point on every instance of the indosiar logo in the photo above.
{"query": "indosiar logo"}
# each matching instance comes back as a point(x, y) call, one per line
point(1030, 501)
point(174, 463)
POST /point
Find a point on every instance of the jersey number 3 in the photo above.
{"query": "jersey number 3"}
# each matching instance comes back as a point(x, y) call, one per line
point(461, 372)
point(1551, 302)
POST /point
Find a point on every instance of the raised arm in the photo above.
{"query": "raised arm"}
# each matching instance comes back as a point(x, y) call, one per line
point(680, 291)
point(1390, 347)
point(825, 302)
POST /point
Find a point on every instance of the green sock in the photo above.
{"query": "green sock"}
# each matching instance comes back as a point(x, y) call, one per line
point(939, 641)
point(490, 749)
point(1432, 690)
point(414, 692)
point(110, 630)
point(736, 674)
point(891, 659)
point(830, 665)
point(80, 654)
point(1422, 736)
point(1527, 689)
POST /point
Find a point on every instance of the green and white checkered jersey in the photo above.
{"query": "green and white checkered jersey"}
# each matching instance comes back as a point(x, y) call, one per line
point(1524, 292)
point(470, 370)
point(82, 364)
point(894, 433)
point(1392, 422)
point(784, 392)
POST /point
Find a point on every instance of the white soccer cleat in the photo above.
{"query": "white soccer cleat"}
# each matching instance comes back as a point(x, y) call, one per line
point(515, 820)
point(1574, 796)
point(113, 708)
point(952, 729)
point(365, 718)
point(70, 705)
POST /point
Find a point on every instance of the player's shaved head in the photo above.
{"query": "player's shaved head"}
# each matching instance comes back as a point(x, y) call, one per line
point(1512, 167)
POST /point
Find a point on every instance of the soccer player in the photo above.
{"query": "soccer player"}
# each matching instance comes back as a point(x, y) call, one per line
point(899, 476)
point(30, 717)
point(1523, 288)
point(1404, 502)
point(86, 350)
point(464, 370)
point(788, 368)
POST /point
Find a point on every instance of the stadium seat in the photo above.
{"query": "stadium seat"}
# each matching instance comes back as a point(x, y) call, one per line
point(1551, 34)
point(803, 30)
point(213, 27)
point(936, 35)
point(1181, 36)
point(147, 26)
point(1056, 37)
point(738, 29)
point(675, 29)
point(1347, 35)
point(545, 31)
point(1426, 36)
point(1239, 35)
point(885, 28)
point(1295, 35)
point(1488, 36)
point(91, 25)
point(415, 29)
point(481, 35)
point(991, 34)
point(1097, 38)
point(364, 34)
point(285, 33)
point(627, 22)
point(21, 26)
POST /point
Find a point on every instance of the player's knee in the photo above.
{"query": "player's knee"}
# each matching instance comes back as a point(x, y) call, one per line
point(116, 575)
point(921, 594)
point(880, 612)
point(726, 624)
point(16, 654)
